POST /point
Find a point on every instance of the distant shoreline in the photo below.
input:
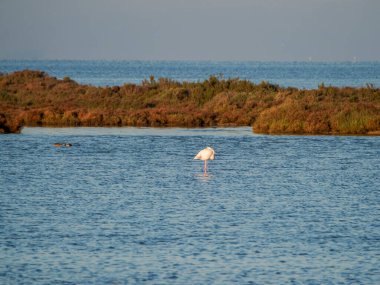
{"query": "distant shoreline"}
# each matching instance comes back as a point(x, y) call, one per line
point(33, 98)
point(120, 129)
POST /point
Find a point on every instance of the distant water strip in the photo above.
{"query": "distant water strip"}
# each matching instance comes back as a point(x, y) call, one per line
point(306, 75)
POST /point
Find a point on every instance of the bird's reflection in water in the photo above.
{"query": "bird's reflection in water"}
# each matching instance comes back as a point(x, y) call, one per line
point(204, 177)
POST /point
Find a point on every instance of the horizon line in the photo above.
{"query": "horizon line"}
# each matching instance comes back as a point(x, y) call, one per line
point(198, 60)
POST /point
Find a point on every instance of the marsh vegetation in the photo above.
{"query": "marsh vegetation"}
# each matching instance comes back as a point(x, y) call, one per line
point(33, 98)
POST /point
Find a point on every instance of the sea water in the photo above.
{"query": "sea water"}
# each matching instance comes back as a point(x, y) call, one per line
point(296, 74)
point(131, 206)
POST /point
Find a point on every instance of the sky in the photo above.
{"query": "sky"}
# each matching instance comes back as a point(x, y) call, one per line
point(262, 30)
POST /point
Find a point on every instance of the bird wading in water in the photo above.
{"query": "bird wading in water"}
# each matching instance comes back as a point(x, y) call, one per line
point(205, 154)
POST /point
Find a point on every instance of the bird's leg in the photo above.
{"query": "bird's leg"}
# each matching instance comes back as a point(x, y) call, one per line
point(205, 167)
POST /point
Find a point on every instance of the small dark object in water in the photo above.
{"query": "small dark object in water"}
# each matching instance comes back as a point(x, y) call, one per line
point(63, 144)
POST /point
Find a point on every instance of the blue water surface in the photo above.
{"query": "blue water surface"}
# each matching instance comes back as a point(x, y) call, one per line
point(131, 206)
point(296, 74)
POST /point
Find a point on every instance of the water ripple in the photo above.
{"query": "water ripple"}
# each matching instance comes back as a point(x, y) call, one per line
point(131, 206)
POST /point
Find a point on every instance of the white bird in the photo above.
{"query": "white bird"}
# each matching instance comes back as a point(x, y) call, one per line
point(206, 154)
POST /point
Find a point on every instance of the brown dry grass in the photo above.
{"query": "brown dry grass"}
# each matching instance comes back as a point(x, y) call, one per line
point(32, 98)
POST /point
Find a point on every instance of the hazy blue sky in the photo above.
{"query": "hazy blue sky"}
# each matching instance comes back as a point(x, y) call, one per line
point(190, 29)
